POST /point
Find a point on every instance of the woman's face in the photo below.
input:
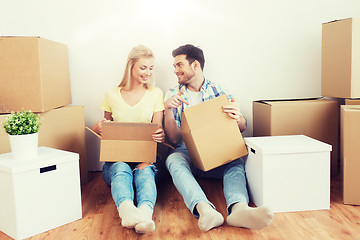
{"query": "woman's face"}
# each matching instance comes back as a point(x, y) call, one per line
point(142, 70)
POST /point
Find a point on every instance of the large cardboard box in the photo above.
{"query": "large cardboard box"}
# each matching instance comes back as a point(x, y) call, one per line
point(340, 68)
point(211, 137)
point(350, 153)
point(34, 74)
point(288, 173)
point(61, 128)
point(317, 118)
point(40, 194)
point(127, 142)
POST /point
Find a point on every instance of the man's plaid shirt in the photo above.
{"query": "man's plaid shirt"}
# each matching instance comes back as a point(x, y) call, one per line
point(208, 90)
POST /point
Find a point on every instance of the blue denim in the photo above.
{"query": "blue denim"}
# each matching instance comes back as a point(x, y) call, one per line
point(183, 174)
point(122, 177)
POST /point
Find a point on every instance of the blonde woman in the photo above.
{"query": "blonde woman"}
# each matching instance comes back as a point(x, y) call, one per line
point(136, 99)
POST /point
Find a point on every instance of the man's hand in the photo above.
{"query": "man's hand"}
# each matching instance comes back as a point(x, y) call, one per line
point(233, 111)
point(176, 100)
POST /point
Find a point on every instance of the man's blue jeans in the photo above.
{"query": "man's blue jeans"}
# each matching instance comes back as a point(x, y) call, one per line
point(183, 174)
point(122, 178)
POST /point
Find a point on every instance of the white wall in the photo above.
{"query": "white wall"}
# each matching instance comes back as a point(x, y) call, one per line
point(258, 49)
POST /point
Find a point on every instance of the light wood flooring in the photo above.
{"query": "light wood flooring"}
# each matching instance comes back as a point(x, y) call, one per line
point(173, 220)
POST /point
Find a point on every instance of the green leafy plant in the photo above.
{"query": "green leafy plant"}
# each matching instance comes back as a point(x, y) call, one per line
point(20, 123)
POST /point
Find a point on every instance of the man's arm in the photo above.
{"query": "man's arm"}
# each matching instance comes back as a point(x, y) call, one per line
point(171, 128)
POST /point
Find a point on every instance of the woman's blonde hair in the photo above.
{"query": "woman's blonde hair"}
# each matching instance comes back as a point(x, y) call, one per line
point(137, 52)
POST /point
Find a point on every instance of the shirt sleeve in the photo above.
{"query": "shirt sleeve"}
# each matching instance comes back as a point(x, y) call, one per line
point(105, 106)
point(159, 104)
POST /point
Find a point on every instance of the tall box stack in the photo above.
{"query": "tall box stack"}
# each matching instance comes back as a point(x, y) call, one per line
point(340, 78)
point(317, 118)
point(34, 75)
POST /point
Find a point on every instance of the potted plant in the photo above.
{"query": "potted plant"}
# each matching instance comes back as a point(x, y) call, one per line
point(22, 128)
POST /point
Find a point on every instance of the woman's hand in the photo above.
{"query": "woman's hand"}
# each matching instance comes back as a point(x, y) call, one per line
point(98, 126)
point(159, 135)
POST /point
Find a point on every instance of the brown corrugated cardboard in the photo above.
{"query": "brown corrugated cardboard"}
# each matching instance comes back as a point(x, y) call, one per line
point(350, 153)
point(317, 118)
point(352, 101)
point(61, 128)
point(34, 74)
point(127, 142)
point(340, 71)
point(211, 137)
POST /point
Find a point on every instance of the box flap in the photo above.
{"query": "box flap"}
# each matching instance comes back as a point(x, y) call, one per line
point(284, 101)
point(205, 111)
point(128, 131)
point(286, 144)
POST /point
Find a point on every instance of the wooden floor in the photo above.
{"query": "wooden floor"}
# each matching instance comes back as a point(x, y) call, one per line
point(173, 220)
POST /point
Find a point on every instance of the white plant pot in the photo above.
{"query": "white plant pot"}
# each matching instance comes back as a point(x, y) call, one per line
point(24, 147)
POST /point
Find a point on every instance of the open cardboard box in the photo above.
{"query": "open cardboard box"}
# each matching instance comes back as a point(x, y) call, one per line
point(211, 137)
point(127, 142)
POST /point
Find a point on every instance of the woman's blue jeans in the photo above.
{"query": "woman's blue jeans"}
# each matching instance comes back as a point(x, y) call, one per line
point(123, 177)
point(183, 174)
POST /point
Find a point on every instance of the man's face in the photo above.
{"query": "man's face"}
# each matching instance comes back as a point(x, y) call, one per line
point(183, 70)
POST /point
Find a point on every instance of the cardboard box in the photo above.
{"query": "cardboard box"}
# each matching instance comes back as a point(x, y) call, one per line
point(288, 173)
point(61, 128)
point(211, 137)
point(350, 153)
point(40, 194)
point(352, 101)
point(317, 118)
point(340, 68)
point(127, 142)
point(34, 74)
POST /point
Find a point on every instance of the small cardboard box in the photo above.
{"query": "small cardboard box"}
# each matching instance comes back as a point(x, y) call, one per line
point(61, 128)
point(350, 153)
point(211, 137)
point(127, 142)
point(34, 74)
point(340, 64)
point(40, 194)
point(288, 173)
point(317, 118)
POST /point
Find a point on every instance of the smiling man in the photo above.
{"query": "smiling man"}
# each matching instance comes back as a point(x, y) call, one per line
point(193, 89)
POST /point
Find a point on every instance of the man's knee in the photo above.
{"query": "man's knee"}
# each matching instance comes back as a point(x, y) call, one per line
point(176, 160)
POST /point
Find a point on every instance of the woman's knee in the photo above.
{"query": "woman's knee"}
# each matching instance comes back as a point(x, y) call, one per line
point(120, 167)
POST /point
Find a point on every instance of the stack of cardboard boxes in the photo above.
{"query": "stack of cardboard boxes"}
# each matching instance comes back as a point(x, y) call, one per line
point(341, 79)
point(323, 118)
point(34, 75)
